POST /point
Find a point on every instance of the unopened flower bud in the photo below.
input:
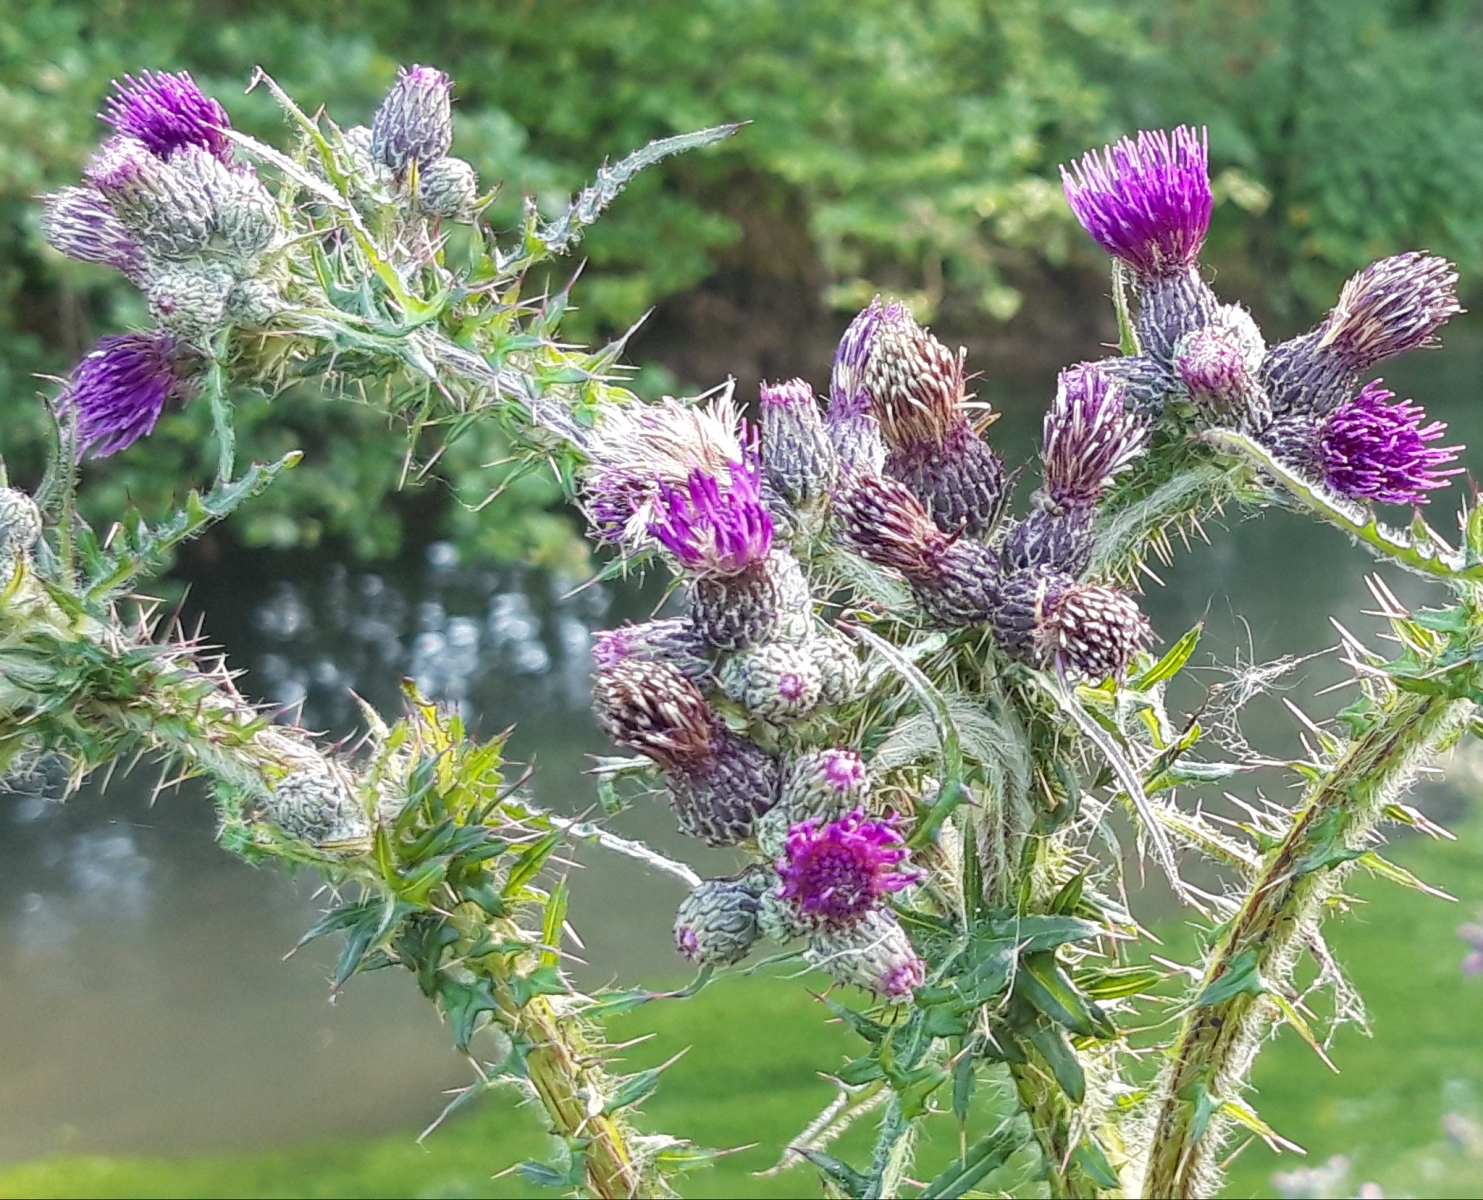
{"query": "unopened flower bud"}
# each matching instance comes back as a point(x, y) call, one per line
point(798, 458)
point(840, 670)
point(20, 530)
point(1059, 537)
point(777, 682)
point(852, 427)
point(167, 214)
point(874, 954)
point(717, 922)
point(719, 796)
point(254, 303)
point(1219, 366)
point(673, 641)
point(191, 301)
point(447, 188)
point(317, 805)
point(415, 121)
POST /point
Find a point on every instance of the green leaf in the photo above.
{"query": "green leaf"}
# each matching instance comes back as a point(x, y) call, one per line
point(529, 864)
point(840, 1173)
point(1172, 662)
point(636, 1088)
point(1114, 983)
point(1042, 982)
point(1054, 1047)
point(1092, 1159)
point(865, 1069)
point(963, 1174)
point(545, 980)
point(463, 1003)
point(1240, 978)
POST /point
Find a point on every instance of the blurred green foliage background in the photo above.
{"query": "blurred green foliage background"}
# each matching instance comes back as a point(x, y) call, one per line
point(901, 144)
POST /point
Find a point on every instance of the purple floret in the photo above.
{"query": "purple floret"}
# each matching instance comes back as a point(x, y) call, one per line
point(1374, 450)
point(119, 390)
point(847, 394)
point(840, 871)
point(167, 111)
point(714, 528)
point(843, 769)
point(1145, 201)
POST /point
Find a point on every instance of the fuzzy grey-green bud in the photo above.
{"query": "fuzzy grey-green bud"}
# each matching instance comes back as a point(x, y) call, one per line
point(840, 672)
point(717, 922)
point(253, 302)
point(415, 121)
point(777, 682)
point(447, 187)
point(873, 953)
point(316, 805)
point(191, 301)
point(781, 920)
point(20, 530)
point(169, 214)
point(243, 214)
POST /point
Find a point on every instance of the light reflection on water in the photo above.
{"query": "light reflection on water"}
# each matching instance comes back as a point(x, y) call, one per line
point(147, 1007)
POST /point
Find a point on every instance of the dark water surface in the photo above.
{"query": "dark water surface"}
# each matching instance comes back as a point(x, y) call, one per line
point(146, 1006)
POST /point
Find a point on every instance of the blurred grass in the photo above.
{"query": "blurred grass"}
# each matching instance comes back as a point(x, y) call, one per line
point(757, 1043)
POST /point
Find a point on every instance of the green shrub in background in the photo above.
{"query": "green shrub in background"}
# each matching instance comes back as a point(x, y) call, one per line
point(914, 143)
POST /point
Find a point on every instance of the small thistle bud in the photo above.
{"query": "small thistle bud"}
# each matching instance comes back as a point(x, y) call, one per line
point(953, 579)
point(851, 426)
point(1146, 201)
point(735, 612)
point(191, 301)
point(840, 671)
point(168, 215)
point(781, 919)
point(1090, 436)
point(717, 922)
point(168, 112)
point(415, 121)
point(244, 215)
point(317, 805)
point(1148, 383)
point(1056, 537)
point(825, 784)
point(917, 391)
point(79, 222)
point(777, 682)
point(20, 521)
point(651, 708)
point(719, 797)
point(119, 389)
point(1219, 365)
point(447, 188)
point(254, 303)
point(1367, 449)
point(836, 872)
point(1394, 305)
point(798, 458)
point(673, 641)
point(874, 954)
point(1086, 631)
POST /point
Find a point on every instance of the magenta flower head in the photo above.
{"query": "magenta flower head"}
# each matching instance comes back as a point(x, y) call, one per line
point(836, 873)
point(1090, 436)
point(1147, 200)
point(715, 528)
point(166, 112)
point(415, 121)
point(1370, 449)
point(119, 390)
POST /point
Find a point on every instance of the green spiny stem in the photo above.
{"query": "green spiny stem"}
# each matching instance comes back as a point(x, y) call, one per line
point(1052, 1117)
point(1217, 1042)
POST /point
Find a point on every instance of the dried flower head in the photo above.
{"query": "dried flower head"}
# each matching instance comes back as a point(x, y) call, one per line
point(1371, 449)
point(79, 222)
point(637, 450)
point(166, 112)
point(1393, 305)
point(1145, 200)
point(415, 121)
point(120, 388)
point(1090, 435)
point(716, 526)
point(651, 708)
point(916, 385)
point(837, 872)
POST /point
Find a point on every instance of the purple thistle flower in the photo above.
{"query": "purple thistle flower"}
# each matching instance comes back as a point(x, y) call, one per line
point(839, 871)
point(1145, 201)
point(1370, 449)
point(80, 223)
point(1393, 305)
point(119, 390)
point(1090, 436)
point(167, 111)
point(716, 530)
point(415, 121)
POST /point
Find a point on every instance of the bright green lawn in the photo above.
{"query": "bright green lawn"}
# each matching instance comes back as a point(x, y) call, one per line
point(757, 1044)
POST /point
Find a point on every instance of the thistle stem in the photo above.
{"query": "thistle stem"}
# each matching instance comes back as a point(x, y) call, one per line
point(1217, 1042)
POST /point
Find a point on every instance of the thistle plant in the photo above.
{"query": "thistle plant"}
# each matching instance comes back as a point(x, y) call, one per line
point(911, 710)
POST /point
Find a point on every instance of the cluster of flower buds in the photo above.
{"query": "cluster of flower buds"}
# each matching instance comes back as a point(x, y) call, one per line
point(164, 202)
point(1147, 202)
point(1027, 591)
point(406, 147)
